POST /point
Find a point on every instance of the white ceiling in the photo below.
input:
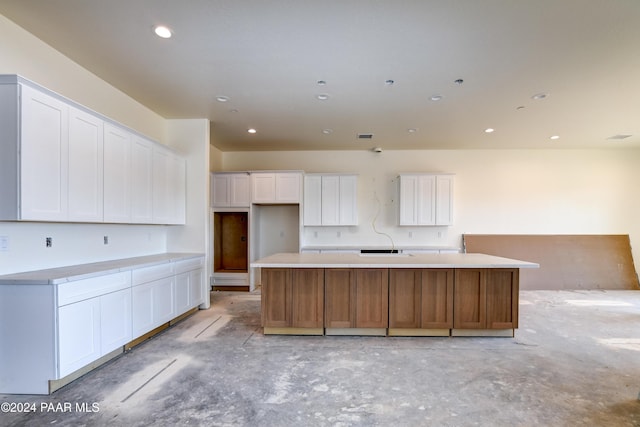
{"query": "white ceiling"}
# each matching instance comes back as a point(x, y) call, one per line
point(268, 55)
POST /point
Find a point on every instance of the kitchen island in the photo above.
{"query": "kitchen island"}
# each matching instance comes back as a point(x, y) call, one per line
point(444, 294)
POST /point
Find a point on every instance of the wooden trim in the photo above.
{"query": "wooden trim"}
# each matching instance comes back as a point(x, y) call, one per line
point(140, 339)
point(357, 331)
point(418, 332)
point(506, 333)
point(293, 331)
point(59, 383)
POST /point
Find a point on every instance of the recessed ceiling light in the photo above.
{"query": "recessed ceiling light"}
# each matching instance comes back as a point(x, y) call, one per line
point(620, 136)
point(489, 130)
point(389, 82)
point(554, 137)
point(162, 31)
point(436, 97)
point(539, 96)
point(234, 110)
point(321, 82)
point(458, 81)
point(322, 96)
point(252, 130)
point(521, 107)
point(222, 98)
point(327, 131)
point(412, 130)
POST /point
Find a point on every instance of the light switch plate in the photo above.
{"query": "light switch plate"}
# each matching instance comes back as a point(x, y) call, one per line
point(4, 243)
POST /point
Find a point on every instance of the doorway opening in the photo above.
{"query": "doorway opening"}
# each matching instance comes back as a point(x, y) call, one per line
point(230, 242)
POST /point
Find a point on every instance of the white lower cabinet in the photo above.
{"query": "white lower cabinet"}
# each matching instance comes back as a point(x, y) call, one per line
point(58, 329)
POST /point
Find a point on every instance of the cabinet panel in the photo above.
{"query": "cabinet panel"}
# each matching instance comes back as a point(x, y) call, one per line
point(183, 302)
point(78, 335)
point(502, 298)
point(340, 298)
point(288, 187)
point(307, 298)
point(437, 299)
point(276, 187)
point(470, 299)
point(117, 174)
point(312, 214)
point(264, 187)
point(164, 300)
point(372, 298)
point(330, 205)
point(405, 291)
point(142, 309)
point(168, 187)
point(115, 320)
point(196, 284)
point(240, 192)
point(276, 294)
point(426, 199)
point(85, 166)
point(141, 180)
point(44, 154)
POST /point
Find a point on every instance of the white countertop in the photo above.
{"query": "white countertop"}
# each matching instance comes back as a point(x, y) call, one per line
point(53, 276)
point(347, 260)
point(368, 247)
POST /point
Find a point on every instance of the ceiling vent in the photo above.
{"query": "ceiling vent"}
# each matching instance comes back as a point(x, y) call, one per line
point(619, 136)
point(365, 136)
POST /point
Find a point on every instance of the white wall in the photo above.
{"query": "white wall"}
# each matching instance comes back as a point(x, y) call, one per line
point(496, 191)
point(22, 53)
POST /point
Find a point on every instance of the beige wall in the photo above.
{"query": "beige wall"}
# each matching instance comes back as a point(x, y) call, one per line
point(496, 191)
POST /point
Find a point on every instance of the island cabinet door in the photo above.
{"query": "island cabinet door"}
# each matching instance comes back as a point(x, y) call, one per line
point(276, 297)
point(372, 298)
point(340, 298)
point(469, 304)
point(405, 294)
point(307, 298)
point(437, 299)
point(502, 298)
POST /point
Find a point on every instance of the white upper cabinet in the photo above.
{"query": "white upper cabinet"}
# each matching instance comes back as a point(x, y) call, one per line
point(62, 162)
point(117, 174)
point(426, 199)
point(276, 187)
point(230, 189)
point(86, 145)
point(169, 186)
point(330, 199)
point(44, 154)
point(141, 180)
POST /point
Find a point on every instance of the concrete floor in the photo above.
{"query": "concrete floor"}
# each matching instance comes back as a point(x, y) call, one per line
point(574, 361)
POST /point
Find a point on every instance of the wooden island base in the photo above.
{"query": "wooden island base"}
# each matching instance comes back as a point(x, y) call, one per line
point(430, 295)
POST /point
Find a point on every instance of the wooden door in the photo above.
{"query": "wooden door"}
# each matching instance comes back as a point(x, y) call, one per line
point(340, 297)
point(372, 298)
point(437, 299)
point(276, 294)
point(502, 298)
point(405, 292)
point(469, 298)
point(307, 297)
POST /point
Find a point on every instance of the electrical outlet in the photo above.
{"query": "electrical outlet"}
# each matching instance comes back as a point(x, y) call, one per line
point(48, 242)
point(4, 243)
point(410, 234)
point(106, 240)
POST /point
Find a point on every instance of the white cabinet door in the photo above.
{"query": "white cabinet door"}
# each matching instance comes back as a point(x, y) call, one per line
point(348, 200)
point(183, 302)
point(331, 200)
point(141, 180)
point(164, 296)
point(142, 309)
point(115, 320)
point(312, 213)
point(240, 191)
point(78, 335)
point(117, 174)
point(44, 154)
point(169, 187)
point(408, 200)
point(444, 200)
point(196, 285)
point(426, 200)
point(288, 187)
point(220, 190)
point(264, 187)
point(85, 182)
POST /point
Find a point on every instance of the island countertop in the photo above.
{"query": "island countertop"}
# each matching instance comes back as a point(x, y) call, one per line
point(348, 260)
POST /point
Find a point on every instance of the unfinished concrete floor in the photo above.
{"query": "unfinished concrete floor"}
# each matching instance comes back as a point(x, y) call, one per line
point(575, 361)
